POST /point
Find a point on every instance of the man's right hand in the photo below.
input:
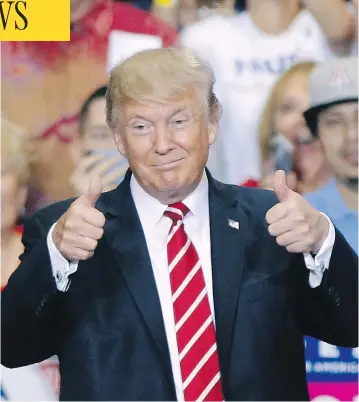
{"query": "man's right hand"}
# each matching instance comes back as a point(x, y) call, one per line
point(78, 231)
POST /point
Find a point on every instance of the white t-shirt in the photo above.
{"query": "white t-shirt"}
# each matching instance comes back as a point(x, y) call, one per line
point(246, 63)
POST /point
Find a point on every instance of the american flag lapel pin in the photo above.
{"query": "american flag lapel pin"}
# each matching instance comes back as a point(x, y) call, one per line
point(233, 224)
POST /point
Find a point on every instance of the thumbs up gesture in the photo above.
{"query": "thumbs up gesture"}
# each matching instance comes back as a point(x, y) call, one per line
point(294, 223)
point(77, 232)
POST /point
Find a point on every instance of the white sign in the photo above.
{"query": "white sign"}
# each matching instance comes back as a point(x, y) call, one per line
point(123, 45)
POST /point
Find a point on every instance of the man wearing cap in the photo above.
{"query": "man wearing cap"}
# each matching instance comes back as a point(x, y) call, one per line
point(333, 117)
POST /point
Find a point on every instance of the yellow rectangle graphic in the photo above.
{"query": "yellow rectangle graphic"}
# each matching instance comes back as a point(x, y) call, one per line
point(35, 20)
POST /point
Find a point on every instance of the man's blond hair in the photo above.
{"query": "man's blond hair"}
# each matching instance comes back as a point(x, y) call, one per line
point(157, 76)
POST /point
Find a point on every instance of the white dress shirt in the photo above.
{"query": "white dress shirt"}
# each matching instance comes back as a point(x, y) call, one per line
point(156, 227)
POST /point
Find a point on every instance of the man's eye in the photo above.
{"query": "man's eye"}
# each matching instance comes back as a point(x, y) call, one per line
point(141, 129)
point(333, 122)
point(178, 123)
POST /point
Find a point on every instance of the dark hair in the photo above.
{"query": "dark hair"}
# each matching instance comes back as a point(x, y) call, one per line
point(99, 93)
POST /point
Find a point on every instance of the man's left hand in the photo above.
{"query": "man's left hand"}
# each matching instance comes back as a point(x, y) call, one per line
point(296, 225)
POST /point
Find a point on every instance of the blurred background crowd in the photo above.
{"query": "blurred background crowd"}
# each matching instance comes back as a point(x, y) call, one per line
point(54, 135)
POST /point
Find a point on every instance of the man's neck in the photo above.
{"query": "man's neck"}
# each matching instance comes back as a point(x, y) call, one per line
point(273, 16)
point(349, 194)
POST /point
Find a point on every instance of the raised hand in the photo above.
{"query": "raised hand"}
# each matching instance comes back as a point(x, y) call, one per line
point(78, 231)
point(296, 225)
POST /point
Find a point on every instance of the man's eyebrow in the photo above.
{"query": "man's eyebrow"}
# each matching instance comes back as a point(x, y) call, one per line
point(180, 110)
point(140, 117)
point(176, 111)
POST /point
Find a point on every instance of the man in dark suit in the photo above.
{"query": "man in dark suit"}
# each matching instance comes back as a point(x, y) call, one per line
point(176, 286)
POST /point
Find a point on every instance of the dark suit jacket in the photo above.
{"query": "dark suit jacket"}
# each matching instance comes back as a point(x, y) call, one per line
point(108, 331)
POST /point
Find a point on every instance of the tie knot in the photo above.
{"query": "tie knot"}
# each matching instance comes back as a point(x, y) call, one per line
point(176, 211)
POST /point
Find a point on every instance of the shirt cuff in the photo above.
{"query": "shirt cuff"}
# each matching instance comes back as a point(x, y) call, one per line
point(320, 262)
point(61, 267)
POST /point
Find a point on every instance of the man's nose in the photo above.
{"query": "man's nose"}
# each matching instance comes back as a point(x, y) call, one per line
point(162, 140)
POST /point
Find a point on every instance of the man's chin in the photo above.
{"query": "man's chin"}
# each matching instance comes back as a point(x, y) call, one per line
point(169, 185)
point(173, 189)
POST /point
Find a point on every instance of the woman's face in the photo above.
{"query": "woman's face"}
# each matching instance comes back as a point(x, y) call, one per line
point(13, 197)
point(289, 121)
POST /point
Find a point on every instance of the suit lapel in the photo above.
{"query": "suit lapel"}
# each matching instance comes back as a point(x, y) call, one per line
point(124, 235)
point(228, 243)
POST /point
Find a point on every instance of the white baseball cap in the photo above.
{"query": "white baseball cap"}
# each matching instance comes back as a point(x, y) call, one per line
point(331, 82)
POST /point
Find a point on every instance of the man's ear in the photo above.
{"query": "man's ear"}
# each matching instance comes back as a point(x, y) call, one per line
point(212, 132)
point(120, 143)
point(215, 116)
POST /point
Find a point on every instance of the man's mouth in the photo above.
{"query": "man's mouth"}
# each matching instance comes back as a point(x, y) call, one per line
point(168, 165)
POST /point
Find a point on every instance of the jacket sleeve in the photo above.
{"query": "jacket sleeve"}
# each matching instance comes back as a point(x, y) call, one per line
point(31, 304)
point(330, 311)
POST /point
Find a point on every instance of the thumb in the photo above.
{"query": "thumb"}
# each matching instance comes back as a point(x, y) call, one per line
point(94, 191)
point(280, 185)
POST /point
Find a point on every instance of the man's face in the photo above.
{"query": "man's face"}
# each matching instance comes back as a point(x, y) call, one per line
point(166, 145)
point(97, 135)
point(338, 131)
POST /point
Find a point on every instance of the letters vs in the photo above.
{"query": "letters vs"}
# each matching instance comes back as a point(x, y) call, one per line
point(13, 11)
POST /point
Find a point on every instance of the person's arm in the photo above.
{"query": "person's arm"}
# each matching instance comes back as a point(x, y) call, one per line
point(335, 19)
point(326, 309)
point(34, 312)
point(188, 12)
point(167, 11)
point(30, 304)
point(129, 18)
point(329, 312)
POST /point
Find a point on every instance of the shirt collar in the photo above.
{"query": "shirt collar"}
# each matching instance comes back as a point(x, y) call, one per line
point(150, 210)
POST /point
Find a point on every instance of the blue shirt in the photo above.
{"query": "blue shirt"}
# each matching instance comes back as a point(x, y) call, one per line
point(327, 199)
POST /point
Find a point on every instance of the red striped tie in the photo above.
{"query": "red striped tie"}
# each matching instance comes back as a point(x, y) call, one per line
point(196, 337)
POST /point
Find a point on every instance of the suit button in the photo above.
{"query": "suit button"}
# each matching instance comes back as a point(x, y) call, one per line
point(337, 301)
point(330, 290)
